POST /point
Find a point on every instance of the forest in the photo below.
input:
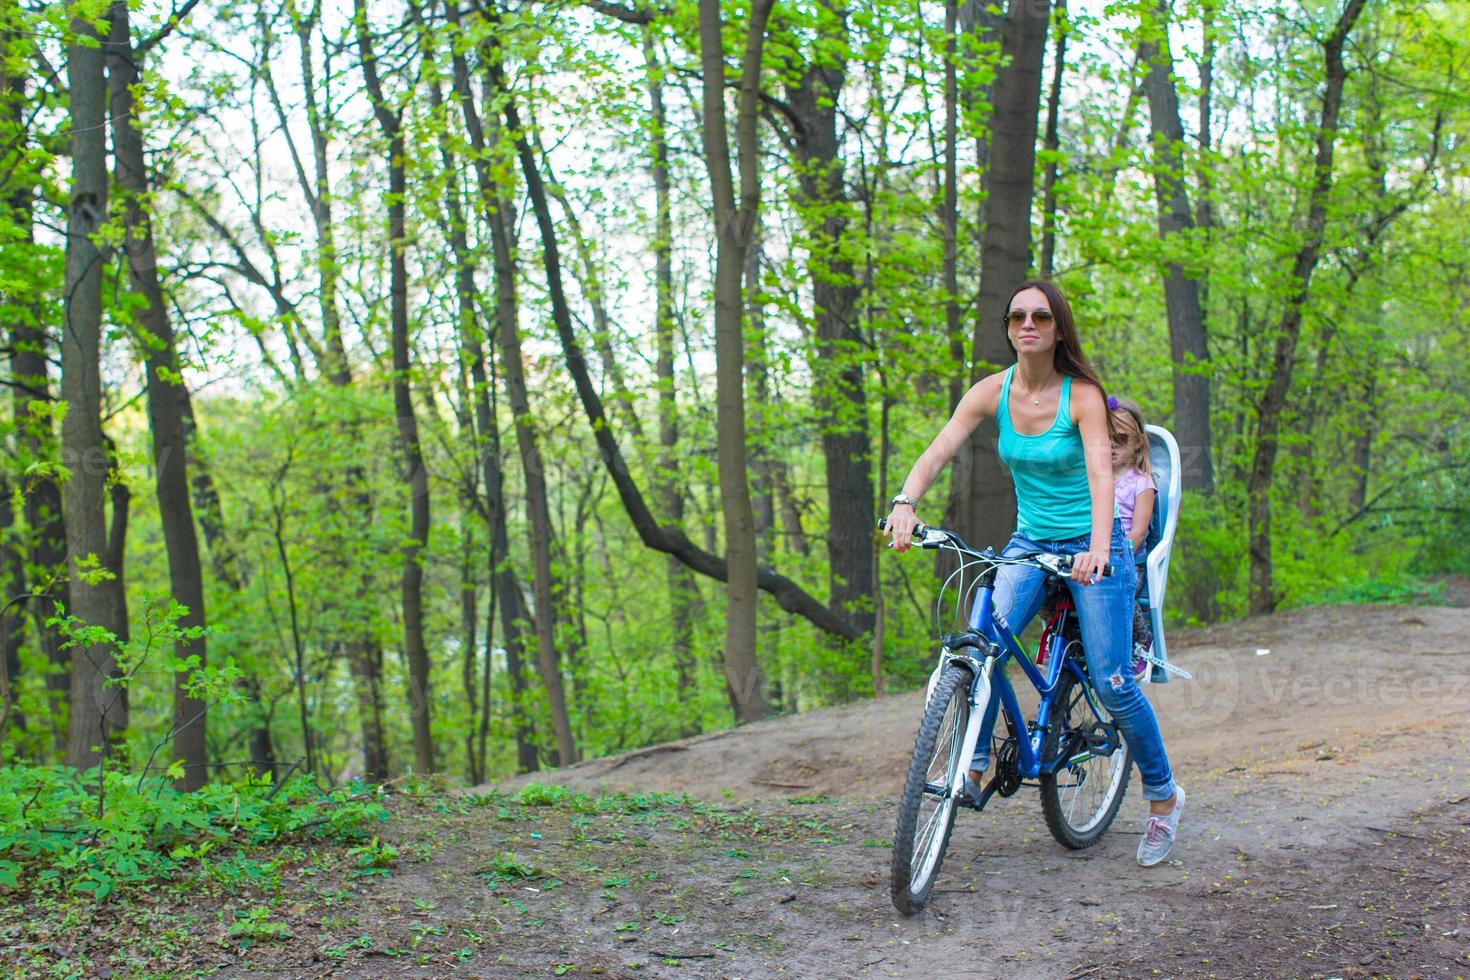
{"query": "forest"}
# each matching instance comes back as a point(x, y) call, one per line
point(424, 388)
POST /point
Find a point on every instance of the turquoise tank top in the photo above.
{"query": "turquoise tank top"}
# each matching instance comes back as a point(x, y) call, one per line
point(1049, 471)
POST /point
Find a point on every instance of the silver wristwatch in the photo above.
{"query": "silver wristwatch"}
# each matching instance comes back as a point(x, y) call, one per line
point(904, 498)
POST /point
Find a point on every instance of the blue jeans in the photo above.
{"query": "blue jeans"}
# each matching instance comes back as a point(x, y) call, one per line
point(1105, 611)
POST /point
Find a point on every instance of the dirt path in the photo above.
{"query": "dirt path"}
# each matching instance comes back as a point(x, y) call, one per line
point(1328, 673)
point(1315, 867)
point(1326, 829)
point(1327, 834)
point(1306, 741)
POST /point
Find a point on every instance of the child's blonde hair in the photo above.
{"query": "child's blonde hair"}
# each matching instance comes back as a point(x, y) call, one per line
point(1130, 442)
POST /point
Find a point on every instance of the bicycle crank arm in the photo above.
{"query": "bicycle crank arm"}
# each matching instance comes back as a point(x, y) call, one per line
point(942, 792)
point(974, 804)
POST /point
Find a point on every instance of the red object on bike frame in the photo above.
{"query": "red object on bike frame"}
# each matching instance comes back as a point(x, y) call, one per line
point(1064, 605)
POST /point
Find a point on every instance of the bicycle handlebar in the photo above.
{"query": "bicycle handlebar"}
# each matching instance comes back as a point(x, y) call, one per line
point(937, 537)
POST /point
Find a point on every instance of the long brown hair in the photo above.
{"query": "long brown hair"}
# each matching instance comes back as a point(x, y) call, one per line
point(1067, 356)
point(1130, 442)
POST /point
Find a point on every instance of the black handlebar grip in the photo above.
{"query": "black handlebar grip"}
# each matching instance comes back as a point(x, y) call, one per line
point(1107, 570)
point(919, 529)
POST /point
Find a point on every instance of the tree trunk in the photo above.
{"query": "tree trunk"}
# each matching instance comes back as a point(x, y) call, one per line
point(1187, 342)
point(498, 215)
point(92, 722)
point(683, 594)
point(44, 503)
point(949, 218)
point(842, 411)
point(733, 227)
point(117, 536)
point(318, 192)
point(165, 386)
point(513, 614)
point(504, 589)
point(365, 663)
point(1363, 446)
point(1050, 142)
point(482, 736)
point(360, 646)
point(415, 476)
point(982, 499)
point(1273, 401)
point(1206, 219)
point(539, 531)
point(539, 526)
point(12, 621)
point(45, 549)
point(469, 612)
point(762, 470)
point(18, 227)
point(984, 23)
point(298, 647)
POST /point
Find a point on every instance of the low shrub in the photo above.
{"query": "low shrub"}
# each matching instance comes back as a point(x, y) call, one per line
point(101, 832)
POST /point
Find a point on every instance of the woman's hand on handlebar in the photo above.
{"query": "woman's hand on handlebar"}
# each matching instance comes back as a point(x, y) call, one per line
point(1087, 566)
point(900, 527)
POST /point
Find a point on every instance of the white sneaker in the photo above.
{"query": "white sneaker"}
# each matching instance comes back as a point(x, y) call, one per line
point(1158, 836)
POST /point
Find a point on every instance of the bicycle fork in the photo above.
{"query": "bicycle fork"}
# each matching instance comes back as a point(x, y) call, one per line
point(978, 695)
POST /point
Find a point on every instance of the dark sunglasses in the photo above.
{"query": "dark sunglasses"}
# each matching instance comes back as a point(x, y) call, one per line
point(1041, 318)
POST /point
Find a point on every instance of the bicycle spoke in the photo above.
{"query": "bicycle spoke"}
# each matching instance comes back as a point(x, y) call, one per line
point(937, 788)
point(926, 836)
point(926, 812)
point(1086, 787)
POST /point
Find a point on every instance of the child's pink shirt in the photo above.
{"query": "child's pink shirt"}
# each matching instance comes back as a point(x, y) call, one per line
point(1125, 492)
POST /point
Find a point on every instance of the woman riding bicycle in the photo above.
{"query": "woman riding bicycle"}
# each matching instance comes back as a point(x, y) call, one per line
point(1054, 436)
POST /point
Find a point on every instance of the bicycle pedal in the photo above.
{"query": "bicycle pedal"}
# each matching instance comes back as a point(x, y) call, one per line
point(976, 802)
point(971, 803)
point(1101, 738)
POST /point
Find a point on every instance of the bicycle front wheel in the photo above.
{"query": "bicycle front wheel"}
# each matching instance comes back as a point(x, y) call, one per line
point(927, 809)
point(1081, 798)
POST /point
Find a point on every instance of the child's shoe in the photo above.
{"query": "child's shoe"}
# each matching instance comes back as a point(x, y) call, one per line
point(1140, 666)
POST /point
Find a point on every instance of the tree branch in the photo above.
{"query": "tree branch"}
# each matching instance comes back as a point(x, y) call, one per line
point(669, 540)
point(1396, 487)
point(628, 15)
point(175, 18)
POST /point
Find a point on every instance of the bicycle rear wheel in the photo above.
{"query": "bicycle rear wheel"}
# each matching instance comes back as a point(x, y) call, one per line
point(1081, 798)
point(926, 810)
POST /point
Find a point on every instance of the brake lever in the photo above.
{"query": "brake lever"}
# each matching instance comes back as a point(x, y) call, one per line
point(1062, 564)
point(921, 532)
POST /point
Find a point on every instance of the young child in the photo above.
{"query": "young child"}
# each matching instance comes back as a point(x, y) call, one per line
point(1134, 491)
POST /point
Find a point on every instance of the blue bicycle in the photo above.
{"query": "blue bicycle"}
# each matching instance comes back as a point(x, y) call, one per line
point(1071, 749)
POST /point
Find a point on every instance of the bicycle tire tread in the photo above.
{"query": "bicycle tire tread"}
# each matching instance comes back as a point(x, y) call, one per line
point(954, 682)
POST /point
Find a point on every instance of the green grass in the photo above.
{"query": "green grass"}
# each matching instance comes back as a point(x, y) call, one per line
point(1397, 591)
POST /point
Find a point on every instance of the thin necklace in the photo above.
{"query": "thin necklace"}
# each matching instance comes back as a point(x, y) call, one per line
point(1036, 396)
